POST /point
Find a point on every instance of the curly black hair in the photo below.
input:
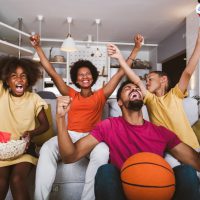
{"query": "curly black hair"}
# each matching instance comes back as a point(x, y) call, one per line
point(9, 64)
point(83, 63)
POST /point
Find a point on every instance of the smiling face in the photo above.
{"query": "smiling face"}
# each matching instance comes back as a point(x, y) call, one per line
point(18, 82)
point(84, 78)
point(131, 97)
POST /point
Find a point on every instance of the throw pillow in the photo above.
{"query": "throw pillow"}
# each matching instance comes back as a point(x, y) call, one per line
point(196, 129)
point(40, 139)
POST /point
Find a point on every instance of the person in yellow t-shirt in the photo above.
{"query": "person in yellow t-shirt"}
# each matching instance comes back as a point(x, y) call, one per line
point(85, 112)
point(19, 108)
point(165, 107)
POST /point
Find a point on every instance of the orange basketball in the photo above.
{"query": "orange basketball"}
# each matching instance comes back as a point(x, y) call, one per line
point(147, 176)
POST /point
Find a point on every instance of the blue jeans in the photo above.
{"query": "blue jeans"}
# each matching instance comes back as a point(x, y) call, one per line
point(108, 185)
point(187, 183)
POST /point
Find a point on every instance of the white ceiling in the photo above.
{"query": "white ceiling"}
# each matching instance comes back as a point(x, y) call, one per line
point(120, 19)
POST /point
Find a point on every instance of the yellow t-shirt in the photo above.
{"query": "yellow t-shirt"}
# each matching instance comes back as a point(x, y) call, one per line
point(17, 115)
point(168, 111)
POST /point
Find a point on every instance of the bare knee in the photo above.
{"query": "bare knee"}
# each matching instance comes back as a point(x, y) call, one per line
point(17, 181)
point(100, 153)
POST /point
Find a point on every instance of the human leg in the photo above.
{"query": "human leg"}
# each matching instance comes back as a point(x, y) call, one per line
point(108, 184)
point(98, 156)
point(18, 180)
point(46, 169)
point(187, 183)
point(4, 181)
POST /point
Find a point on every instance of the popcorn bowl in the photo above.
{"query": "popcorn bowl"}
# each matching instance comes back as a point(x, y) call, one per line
point(12, 149)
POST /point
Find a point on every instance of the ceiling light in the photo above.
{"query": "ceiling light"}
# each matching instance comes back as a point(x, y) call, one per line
point(97, 53)
point(20, 37)
point(36, 57)
point(39, 18)
point(89, 41)
point(68, 44)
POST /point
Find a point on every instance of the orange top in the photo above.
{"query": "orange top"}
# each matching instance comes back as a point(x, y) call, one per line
point(85, 112)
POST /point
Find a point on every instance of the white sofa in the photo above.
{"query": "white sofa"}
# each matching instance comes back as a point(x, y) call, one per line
point(69, 180)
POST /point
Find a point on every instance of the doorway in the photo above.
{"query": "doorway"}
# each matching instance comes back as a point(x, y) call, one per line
point(174, 67)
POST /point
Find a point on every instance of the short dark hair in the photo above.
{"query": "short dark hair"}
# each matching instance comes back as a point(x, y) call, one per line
point(161, 73)
point(119, 91)
point(9, 64)
point(83, 63)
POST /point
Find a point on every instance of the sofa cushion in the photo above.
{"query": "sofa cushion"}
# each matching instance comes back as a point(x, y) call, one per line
point(40, 139)
point(191, 109)
point(115, 110)
point(189, 104)
point(73, 172)
point(196, 129)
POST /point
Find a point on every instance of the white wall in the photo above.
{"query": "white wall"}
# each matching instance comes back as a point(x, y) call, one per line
point(173, 44)
point(153, 58)
point(192, 25)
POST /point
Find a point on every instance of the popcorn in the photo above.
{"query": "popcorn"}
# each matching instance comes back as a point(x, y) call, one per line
point(12, 149)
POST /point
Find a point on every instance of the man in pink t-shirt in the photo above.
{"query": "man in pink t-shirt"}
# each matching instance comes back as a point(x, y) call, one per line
point(126, 136)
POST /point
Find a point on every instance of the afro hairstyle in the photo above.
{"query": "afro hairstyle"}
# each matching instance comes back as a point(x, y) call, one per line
point(9, 64)
point(83, 63)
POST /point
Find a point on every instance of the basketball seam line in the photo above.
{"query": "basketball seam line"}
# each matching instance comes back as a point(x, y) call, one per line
point(148, 186)
point(147, 163)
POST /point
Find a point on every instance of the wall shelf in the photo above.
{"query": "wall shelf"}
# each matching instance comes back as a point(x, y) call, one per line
point(13, 49)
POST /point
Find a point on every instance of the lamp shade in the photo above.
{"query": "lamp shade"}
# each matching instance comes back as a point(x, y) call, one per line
point(68, 44)
point(36, 57)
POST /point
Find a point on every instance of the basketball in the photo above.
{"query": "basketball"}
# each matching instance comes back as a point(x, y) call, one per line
point(147, 176)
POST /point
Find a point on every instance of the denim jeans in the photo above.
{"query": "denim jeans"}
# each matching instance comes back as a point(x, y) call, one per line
point(187, 183)
point(108, 185)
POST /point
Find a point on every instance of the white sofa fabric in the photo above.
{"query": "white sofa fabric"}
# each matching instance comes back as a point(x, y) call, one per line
point(69, 181)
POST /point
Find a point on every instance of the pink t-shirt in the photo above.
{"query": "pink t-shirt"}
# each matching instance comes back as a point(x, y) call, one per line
point(125, 139)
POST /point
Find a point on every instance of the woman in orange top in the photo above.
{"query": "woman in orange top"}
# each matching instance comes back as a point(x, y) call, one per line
point(85, 112)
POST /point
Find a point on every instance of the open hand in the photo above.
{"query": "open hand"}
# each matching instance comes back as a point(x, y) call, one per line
point(113, 51)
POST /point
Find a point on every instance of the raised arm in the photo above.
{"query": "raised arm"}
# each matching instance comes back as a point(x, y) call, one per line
point(186, 155)
point(191, 66)
point(116, 78)
point(57, 79)
point(115, 53)
point(69, 151)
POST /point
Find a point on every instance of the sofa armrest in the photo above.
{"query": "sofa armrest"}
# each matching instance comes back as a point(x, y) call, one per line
point(191, 109)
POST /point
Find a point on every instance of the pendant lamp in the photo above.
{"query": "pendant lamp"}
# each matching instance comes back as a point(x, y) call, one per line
point(97, 53)
point(40, 18)
point(68, 44)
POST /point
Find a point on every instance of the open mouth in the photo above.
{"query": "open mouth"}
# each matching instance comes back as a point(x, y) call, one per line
point(134, 96)
point(19, 88)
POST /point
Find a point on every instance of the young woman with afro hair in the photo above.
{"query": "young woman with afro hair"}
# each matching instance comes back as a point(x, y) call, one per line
point(19, 107)
point(85, 112)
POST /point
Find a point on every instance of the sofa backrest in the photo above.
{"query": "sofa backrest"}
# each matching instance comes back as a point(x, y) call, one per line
point(189, 104)
point(112, 109)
